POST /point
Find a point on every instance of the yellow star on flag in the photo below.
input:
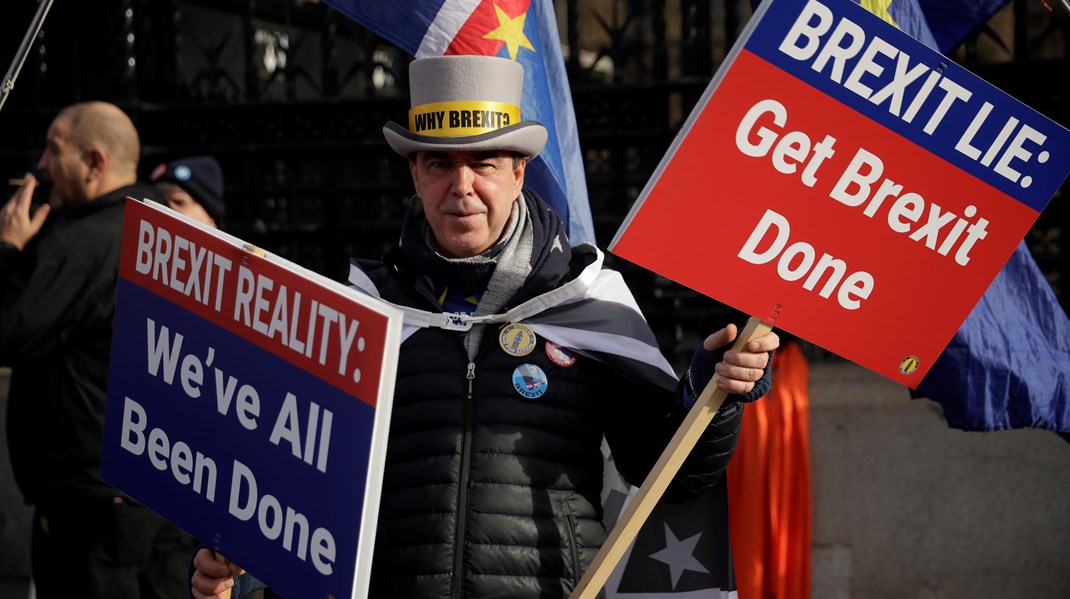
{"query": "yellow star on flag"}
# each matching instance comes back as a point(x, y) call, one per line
point(880, 8)
point(510, 31)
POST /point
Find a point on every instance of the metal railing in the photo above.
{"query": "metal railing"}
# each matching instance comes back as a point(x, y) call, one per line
point(291, 97)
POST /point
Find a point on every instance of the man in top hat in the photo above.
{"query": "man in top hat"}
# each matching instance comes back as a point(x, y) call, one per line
point(494, 467)
point(194, 187)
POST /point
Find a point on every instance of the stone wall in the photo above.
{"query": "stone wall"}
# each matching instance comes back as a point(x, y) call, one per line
point(906, 507)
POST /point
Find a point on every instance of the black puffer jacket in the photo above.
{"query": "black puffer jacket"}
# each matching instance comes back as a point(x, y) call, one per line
point(488, 493)
point(58, 303)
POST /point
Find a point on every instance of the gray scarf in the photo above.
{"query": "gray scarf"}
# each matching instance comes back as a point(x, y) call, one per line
point(531, 257)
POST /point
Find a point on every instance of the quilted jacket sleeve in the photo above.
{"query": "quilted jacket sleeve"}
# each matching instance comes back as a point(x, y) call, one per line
point(641, 422)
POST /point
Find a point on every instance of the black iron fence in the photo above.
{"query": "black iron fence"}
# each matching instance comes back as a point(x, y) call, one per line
point(291, 97)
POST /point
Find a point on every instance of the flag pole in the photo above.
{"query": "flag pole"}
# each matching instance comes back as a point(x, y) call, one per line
point(640, 507)
point(24, 51)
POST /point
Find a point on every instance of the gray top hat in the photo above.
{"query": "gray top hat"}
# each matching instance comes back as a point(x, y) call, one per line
point(466, 103)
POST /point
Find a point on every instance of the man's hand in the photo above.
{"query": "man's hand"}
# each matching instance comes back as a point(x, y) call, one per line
point(738, 370)
point(17, 225)
point(213, 575)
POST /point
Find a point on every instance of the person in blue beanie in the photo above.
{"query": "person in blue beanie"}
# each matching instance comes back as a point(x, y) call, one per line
point(193, 186)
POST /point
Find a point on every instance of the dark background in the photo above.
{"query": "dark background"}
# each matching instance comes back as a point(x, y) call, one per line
point(291, 97)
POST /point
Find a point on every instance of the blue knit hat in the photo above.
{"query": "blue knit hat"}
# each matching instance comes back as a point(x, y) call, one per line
point(201, 177)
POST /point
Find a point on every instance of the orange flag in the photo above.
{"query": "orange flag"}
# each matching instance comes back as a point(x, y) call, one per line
point(769, 505)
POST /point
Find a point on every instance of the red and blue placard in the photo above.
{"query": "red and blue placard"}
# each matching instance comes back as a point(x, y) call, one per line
point(248, 403)
point(847, 183)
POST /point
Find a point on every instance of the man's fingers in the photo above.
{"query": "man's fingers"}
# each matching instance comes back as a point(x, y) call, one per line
point(24, 194)
point(17, 225)
point(721, 338)
point(40, 216)
point(765, 343)
point(211, 576)
point(739, 370)
point(206, 561)
point(740, 373)
point(204, 586)
point(233, 568)
point(735, 387)
point(747, 359)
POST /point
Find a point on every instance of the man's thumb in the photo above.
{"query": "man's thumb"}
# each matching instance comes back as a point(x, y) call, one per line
point(720, 338)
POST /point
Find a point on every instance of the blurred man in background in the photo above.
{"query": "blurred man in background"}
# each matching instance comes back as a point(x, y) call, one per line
point(59, 265)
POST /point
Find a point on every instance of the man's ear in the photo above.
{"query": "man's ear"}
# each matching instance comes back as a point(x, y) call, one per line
point(518, 173)
point(98, 163)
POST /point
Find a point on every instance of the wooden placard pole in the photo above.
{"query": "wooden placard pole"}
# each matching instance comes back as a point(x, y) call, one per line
point(638, 510)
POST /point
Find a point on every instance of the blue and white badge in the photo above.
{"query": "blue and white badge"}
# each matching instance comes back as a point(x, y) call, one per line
point(530, 381)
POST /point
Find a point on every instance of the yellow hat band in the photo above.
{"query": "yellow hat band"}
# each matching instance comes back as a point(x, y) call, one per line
point(456, 119)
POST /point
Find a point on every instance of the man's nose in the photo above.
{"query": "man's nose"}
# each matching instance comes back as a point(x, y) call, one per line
point(462, 178)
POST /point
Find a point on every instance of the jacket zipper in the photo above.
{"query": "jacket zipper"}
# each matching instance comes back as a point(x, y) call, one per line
point(457, 584)
point(570, 524)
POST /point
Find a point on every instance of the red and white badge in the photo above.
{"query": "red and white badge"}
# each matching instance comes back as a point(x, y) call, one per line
point(562, 356)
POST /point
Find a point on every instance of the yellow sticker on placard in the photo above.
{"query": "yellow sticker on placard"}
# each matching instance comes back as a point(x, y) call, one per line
point(908, 365)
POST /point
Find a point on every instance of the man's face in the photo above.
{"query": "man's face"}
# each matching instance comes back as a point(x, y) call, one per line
point(467, 197)
point(180, 201)
point(63, 165)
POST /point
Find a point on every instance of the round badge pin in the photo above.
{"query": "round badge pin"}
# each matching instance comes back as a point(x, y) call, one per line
point(530, 381)
point(562, 356)
point(517, 339)
point(909, 365)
